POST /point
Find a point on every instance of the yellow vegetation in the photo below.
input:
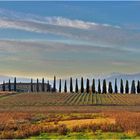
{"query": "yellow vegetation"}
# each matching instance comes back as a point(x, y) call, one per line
point(72, 123)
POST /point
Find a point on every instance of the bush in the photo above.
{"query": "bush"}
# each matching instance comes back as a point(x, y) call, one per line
point(7, 135)
point(50, 129)
point(111, 128)
point(19, 134)
point(11, 126)
point(94, 127)
point(77, 129)
point(62, 129)
point(1, 127)
point(56, 122)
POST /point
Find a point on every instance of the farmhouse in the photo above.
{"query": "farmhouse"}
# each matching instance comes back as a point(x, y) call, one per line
point(26, 87)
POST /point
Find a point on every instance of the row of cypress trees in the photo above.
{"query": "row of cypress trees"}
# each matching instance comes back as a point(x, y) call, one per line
point(123, 88)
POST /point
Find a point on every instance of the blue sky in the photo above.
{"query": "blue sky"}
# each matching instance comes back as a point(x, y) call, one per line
point(40, 39)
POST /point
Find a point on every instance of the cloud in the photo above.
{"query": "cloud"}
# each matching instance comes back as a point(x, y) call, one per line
point(67, 26)
point(112, 36)
point(70, 23)
point(50, 54)
point(39, 46)
point(70, 28)
point(54, 55)
point(59, 21)
point(38, 58)
point(122, 63)
point(109, 36)
point(97, 33)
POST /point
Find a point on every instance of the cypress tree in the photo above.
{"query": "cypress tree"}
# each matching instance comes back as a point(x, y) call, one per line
point(37, 85)
point(133, 88)
point(31, 85)
point(121, 87)
point(71, 85)
point(127, 87)
point(138, 87)
point(3, 86)
point(93, 86)
point(76, 86)
point(87, 86)
point(15, 84)
point(65, 86)
point(60, 85)
point(54, 84)
point(82, 85)
point(110, 89)
point(9, 85)
point(116, 88)
point(48, 86)
point(99, 86)
point(43, 85)
point(104, 86)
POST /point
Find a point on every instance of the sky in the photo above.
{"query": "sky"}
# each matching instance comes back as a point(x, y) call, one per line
point(43, 39)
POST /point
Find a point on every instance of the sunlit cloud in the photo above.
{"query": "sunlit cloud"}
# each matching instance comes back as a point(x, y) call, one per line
point(70, 28)
point(104, 35)
point(59, 21)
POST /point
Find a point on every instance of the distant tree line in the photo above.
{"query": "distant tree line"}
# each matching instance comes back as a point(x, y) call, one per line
point(135, 87)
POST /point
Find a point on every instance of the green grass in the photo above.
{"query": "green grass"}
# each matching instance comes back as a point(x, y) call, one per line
point(88, 135)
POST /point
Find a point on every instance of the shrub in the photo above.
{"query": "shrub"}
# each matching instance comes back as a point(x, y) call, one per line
point(11, 126)
point(50, 129)
point(19, 134)
point(111, 128)
point(77, 129)
point(94, 127)
point(1, 127)
point(62, 129)
point(34, 130)
point(56, 122)
point(7, 135)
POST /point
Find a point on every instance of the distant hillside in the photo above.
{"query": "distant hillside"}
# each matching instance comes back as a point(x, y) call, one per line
point(135, 76)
